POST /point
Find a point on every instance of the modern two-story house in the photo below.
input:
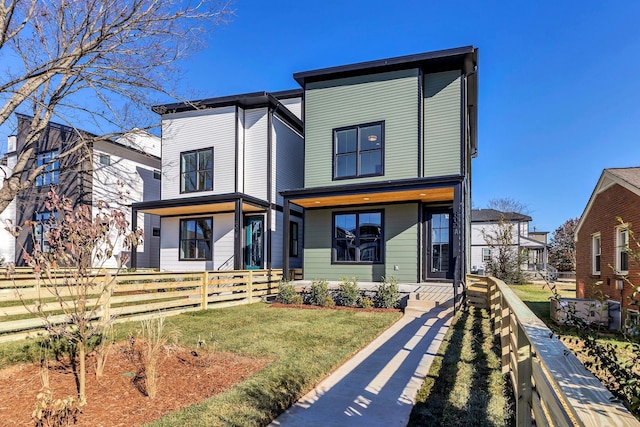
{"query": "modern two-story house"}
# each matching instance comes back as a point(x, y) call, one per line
point(224, 162)
point(118, 172)
point(387, 168)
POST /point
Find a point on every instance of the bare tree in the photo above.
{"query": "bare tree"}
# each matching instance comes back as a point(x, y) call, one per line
point(99, 61)
point(562, 251)
point(507, 205)
point(506, 259)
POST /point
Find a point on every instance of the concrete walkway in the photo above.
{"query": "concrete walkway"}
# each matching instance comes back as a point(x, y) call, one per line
point(378, 386)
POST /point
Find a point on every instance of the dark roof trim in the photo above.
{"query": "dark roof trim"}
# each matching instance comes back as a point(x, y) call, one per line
point(440, 59)
point(200, 200)
point(245, 100)
point(396, 185)
point(493, 215)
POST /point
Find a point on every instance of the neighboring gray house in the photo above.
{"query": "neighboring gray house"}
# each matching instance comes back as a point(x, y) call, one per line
point(118, 172)
point(532, 244)
point(387, 168)
point(224, 162)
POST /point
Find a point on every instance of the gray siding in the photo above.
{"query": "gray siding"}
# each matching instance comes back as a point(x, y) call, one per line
point(194, 130)
point(401, 246)
point(441, 124)
point(255, 153)
point(287, 159)
point(390, 97)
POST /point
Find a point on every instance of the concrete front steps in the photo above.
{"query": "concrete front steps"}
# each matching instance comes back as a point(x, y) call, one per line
point(428, 297)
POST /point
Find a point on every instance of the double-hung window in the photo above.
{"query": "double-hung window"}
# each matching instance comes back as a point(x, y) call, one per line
point(358, 237)
point(622, 246)
point(595, 253)
point(196, 170)
point(195, 239)
point(49, 175)
point(486, 254)
point(358, 151)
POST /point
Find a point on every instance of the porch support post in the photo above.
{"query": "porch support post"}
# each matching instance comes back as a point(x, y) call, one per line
point(237, 236)
point(134, 247)
point(285, 238)
point(459, 222)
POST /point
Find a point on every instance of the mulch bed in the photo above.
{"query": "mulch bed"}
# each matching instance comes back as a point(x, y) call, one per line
point(337, 307)
point(185, 377)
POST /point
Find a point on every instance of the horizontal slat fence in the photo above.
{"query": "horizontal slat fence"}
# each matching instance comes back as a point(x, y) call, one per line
point(551, 386)
point(131, 296)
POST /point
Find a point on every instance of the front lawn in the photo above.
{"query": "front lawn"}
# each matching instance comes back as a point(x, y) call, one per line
point(305, 345)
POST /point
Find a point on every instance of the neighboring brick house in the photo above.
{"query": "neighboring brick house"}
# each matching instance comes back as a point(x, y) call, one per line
point(602, 261)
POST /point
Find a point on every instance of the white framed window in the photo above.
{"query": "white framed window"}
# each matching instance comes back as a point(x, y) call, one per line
point(595, 253)
point(486, 254)
point(622, 246)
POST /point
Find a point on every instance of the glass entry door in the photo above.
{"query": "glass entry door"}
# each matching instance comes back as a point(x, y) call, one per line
point(438, 254)
point(254, 244)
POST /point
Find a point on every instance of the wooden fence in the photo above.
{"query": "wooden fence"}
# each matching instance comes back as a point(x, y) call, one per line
point(551, 386)
point(131, 296)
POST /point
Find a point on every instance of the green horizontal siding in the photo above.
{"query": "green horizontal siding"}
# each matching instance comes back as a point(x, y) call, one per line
point(401, 246)
point(442, 124)
point(390, 97)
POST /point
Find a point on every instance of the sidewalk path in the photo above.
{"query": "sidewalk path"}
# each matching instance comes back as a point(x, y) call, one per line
point(378, 386)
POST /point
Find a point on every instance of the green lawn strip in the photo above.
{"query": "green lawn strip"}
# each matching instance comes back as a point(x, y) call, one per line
point(305, 345)
point(465, 386)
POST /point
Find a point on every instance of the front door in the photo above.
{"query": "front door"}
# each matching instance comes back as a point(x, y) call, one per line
point(254, 245)
point(438, 253)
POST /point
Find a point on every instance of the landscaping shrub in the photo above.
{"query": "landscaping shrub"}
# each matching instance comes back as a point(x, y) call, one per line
point(387, 293)
point(329, 302)
point(319, 293)
point(366, 302)
point(297, 300)
point(287, 293)
point(348, 292)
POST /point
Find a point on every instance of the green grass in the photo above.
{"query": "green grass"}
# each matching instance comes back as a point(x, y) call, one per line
point(305, 345)
point(537, 297)
point(465, 386)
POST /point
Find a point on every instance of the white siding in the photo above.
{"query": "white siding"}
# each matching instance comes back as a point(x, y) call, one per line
point(223, 242)
point(294, 105)
point(240, 152)
point(255, 153)
point(127, 179)
point(287, 159)
point(8, 217)
point(195, 130)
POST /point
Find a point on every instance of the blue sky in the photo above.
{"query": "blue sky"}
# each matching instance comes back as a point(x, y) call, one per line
point(558, 81)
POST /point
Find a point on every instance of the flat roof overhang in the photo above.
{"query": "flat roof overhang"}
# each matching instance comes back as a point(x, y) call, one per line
point(201, 205)
point(415, 190)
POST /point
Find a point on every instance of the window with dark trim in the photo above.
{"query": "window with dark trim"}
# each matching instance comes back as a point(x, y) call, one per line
point(358, 151)
point(50, 173)
point(43, 222)
point(195, 239)
point(157, 174)
point(196, 170)
point(358, 237)
point(155, 231)
point(486, 254)
point(293, 239)
point(105, 159)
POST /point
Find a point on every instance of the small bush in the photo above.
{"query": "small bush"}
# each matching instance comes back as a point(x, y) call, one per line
point(348, 292)
point(329, 302)
point(287, 293)
point(297, 300)
point(387, 293)
point(366, 302)
point(319, 293)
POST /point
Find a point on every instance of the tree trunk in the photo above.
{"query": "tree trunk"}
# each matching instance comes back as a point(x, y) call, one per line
point(82, 374)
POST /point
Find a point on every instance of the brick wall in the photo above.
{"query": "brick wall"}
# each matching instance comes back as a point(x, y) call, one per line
point(613, 202)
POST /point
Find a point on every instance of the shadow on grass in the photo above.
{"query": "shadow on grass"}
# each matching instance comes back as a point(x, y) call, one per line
point(442, 406)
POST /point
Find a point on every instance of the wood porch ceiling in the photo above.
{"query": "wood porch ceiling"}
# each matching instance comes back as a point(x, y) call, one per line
point(372, 197)
point(205, 208)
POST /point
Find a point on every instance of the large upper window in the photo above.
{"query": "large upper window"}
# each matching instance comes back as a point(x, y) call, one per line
point(50, 173)
point(196, 171)
point(622, 246)
point(195, 239)
point(358, 151)
point(357, 237)
point(595, 253)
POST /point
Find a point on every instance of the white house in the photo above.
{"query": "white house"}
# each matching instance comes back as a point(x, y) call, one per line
point(532, 243)
point(224, 162)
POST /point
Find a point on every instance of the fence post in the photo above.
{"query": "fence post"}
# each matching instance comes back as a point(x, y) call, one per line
point(205, 289)
point(107, 291)
point(250, 287)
